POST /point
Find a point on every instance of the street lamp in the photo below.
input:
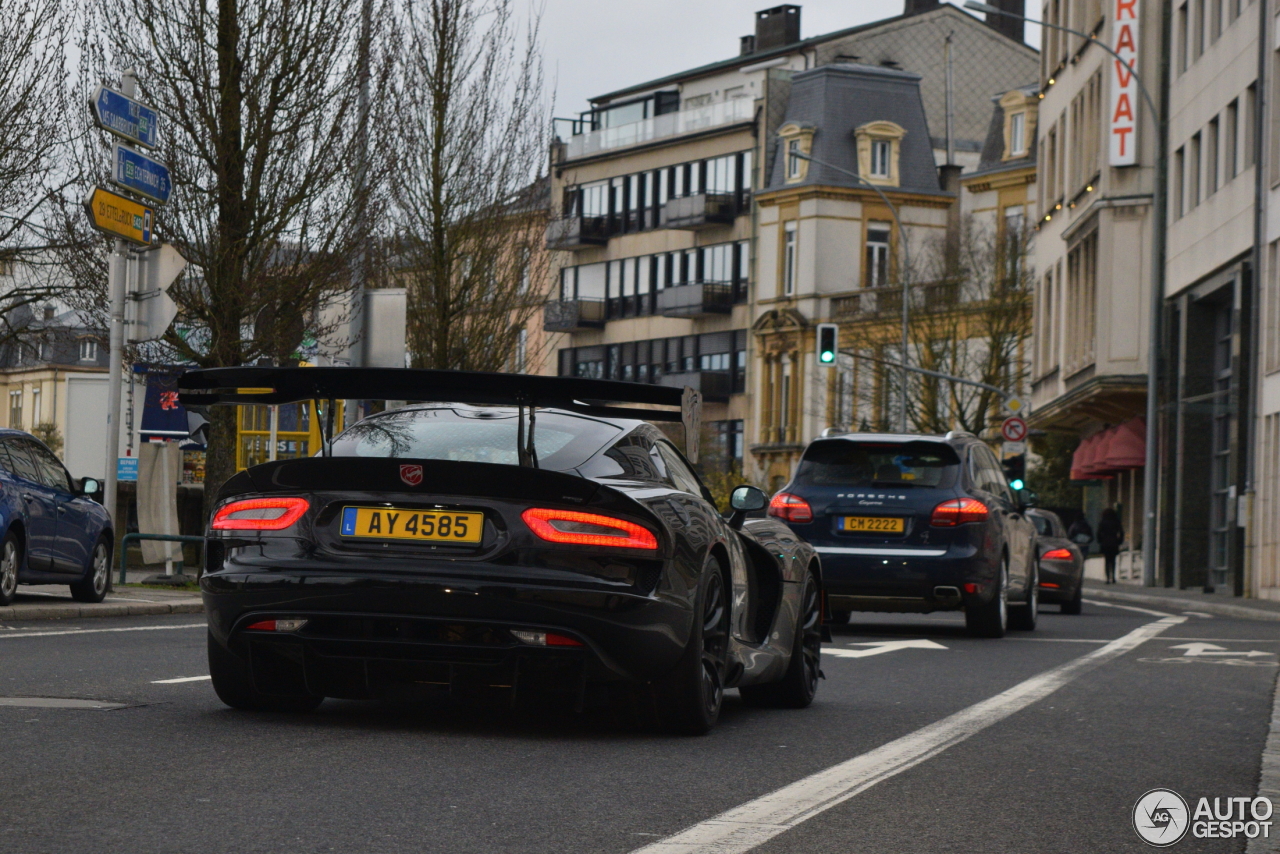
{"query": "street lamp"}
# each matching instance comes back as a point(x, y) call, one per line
point(1149, 480)
point(904, 266)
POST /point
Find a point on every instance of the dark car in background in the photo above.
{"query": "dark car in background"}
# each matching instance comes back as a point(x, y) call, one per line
point(54, 532)
point(915, 523)
point(1061, 562)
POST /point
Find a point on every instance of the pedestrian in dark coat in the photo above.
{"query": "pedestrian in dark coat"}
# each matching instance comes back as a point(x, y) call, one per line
point(1110, 536)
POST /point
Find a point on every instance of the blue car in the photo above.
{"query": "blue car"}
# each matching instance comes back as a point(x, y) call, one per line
point(54, 532)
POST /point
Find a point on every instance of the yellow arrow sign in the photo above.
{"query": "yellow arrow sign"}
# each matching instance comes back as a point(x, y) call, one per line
point(121, 216)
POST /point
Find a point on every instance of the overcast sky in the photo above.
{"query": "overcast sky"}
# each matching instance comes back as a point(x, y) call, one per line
point(597, 46)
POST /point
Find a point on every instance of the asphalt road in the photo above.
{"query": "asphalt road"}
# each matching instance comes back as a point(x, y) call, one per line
point(175, 771)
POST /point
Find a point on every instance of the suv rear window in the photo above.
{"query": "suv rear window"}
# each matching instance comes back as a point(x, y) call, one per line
point(841, 462)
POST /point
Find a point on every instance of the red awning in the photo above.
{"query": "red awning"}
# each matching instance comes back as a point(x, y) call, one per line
point(1097, 466)
point(1128, 447)
point(1083, 457)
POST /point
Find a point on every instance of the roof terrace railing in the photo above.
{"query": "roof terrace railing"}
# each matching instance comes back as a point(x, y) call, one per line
point(729, 112)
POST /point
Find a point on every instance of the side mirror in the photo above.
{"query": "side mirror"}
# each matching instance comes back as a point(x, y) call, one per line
point(1027, 498)
point(744, 500)
point(89, 486)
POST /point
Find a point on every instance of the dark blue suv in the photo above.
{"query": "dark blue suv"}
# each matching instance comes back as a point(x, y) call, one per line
point(912, 523)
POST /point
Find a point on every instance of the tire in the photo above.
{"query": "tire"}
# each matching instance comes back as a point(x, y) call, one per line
point(93, 587)
point(1023, 617)
point(232, 684)
point(796, 689)
point(991, 619)
point(688, 700)
point(840, 618)
point(1076, 604)
point(10, 562)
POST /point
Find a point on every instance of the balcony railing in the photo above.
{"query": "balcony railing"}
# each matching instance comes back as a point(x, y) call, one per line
point(697, 119)
point(700, 211)
point(715, 386)
point(696, 300)
point(571, 315)
point(577, 232)
point(888, 300)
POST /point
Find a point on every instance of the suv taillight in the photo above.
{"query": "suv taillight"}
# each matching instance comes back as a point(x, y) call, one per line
point(790, 508)
point(958, 511)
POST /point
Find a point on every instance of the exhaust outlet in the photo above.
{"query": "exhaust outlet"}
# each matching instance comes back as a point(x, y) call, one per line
point(947, 594)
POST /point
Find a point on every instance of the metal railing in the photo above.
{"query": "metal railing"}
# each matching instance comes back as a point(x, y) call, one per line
point(670, 124)
point(168, 538)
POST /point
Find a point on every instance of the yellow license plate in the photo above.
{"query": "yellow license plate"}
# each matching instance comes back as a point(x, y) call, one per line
point(874, 524)
point(396, 523)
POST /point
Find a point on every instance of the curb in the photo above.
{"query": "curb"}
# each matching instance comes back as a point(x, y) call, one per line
point(1218, 609)
point(66, 612)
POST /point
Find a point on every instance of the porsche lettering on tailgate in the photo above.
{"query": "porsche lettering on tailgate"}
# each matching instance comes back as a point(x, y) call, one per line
point(400, 524)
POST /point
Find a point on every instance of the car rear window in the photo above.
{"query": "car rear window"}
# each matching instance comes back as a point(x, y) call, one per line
point(1043, 526)
point(841, 462)
point(562, 441)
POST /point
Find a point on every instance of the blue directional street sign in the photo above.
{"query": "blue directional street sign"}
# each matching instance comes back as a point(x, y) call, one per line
point(145, 176)
point(124, 116)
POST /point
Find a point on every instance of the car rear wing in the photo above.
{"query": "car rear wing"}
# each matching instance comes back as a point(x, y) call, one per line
point(606, 398)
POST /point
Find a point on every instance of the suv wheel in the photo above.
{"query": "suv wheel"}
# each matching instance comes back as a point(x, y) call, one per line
point(990, 619)
point(1023, 617)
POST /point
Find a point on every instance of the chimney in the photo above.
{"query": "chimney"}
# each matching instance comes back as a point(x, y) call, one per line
point(777, 27)
point(748, 46)
point(1014, 28)
point(915, 7)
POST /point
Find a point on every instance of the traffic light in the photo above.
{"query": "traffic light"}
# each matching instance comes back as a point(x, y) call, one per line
point(1015, 470)
point(828, 344)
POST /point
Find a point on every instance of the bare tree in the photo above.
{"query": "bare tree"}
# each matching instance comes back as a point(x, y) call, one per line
point(470, 215)
point(34, 168)
point(261, 127)
point(971, 318)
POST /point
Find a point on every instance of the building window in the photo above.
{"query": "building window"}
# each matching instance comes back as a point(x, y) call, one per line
point(15, 409)
point(879, 145)
point(1179, 182)
point(789, 258)
point(520, 356)
point(1193, 172)
point(728, 435)
point(877, 254)
point(1211, 159)
point(1229, 141)
point(88, 350)
point(35, 405)
point(880, 158)
point(1018, 134)
point(1082, 299)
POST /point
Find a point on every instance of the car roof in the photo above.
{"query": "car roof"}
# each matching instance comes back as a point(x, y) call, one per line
point(894, 437)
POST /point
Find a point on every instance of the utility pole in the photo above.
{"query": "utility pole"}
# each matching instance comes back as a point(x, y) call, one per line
point(357, 331)
point(117, 284)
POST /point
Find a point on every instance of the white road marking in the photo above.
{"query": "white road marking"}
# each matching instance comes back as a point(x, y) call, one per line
point(182, 679)
point(1199, 649)
point(744, 827)
point(1199, 614)
point(101, 631)
point(59, 703)
point(1146, 611)
point(1058, 640)
point(878, 647)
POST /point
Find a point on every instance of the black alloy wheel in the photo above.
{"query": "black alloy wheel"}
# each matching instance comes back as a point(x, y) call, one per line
point(1023, 617)
point(93, 587)
point(689, 698)
point(1075, 604)
point(990, 619)
point(10, 561)
point(797, 688)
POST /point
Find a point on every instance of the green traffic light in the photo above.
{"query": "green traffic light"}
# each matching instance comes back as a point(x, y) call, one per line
point(1017, 484)
point(828, 356)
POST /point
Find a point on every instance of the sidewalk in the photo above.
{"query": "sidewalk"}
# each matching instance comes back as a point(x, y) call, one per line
point(1178, 601)
point(54, 602)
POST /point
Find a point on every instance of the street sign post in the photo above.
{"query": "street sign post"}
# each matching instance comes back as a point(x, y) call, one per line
point(123, 116)
point(141, 174)
point(120, 216)
point(1014, 429)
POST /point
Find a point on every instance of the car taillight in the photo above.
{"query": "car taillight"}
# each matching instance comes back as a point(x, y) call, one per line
point(958, 511)
point(1057, 554)
point(587, 529)
point(259, 514)
point(277, 625)
point(790, 508)
point(545, 638)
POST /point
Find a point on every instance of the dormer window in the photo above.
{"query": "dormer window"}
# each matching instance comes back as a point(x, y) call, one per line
point(879, 150)
point(1018, 134)
point(797, 139)
point(1020, 111)
point(88, 350)
point(880, 158)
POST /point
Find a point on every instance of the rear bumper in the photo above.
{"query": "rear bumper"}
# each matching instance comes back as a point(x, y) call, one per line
point(367, 630)
point(906, 579)
point(1063, 573)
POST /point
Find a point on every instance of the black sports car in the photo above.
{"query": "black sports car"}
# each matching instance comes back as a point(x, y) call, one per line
point(509, 533)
